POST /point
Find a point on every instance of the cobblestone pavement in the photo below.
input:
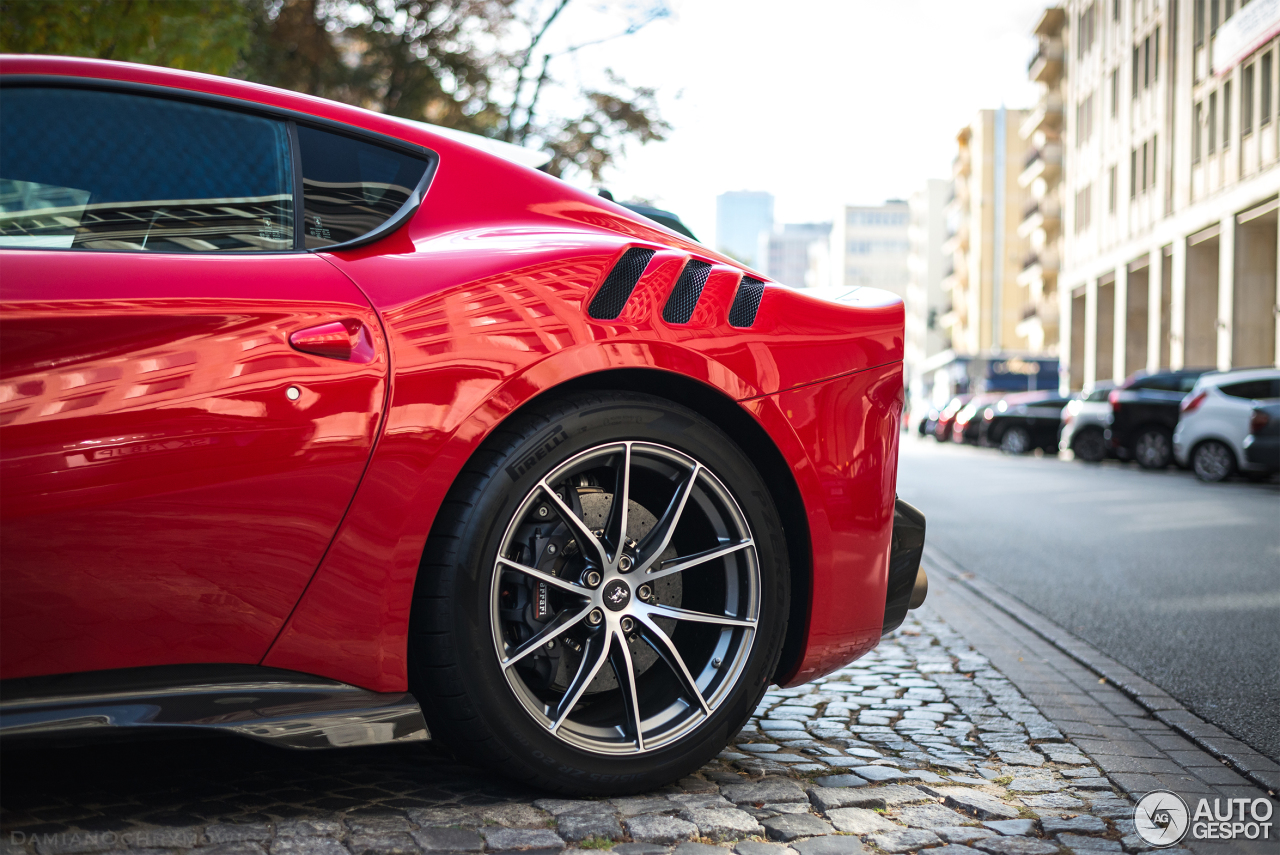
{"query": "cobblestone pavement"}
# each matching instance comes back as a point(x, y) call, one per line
point(922, 746)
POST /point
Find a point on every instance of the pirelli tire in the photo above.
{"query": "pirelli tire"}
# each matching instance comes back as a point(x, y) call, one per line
point(581, 649)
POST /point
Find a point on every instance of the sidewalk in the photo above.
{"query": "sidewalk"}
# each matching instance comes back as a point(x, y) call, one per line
point(963, 734)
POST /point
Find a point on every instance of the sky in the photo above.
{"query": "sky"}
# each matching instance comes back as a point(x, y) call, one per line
point(820, 102)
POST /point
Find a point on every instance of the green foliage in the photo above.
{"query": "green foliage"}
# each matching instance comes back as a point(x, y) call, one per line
point(195, 35)
point(595, 843)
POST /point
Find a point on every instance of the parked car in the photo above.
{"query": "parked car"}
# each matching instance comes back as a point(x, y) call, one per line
point(1214, 420)
point(969, 419)
point(1262, 445)
point(1085, 420)
point(1023, 421)
point(1144, 412)
point(928, 424)
point(942, 427)
point(322, 428)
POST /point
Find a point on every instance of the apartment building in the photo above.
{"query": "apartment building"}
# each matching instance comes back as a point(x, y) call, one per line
point(1041, 217)
point(987, 252)
point(869, 246)
point(1169, 194)
point(794, 253)
point(926, 265)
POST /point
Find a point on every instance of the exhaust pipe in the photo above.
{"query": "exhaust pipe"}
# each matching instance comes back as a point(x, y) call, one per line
point(908, 584)
point(919, 591)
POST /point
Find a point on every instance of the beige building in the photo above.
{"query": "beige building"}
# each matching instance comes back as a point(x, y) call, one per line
point(987, 304)
point(1169, 194)
point(1041, 218)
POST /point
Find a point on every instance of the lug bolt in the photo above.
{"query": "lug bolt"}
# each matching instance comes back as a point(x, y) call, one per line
point(645, 592)
point(551, 644)
point(551, 549)
point(595, 617)
point(543, 511)
point(593, 579)
point(627, 624)
point(624, 564)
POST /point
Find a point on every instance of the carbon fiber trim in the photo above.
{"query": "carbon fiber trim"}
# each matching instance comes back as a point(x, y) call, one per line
point(746, 302)
point(622, 279)
point(684, 297)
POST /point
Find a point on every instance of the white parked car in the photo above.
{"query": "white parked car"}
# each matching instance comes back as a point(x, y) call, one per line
point(1214, 420)
point(1084, 422)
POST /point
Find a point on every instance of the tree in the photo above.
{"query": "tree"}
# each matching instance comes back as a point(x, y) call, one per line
point(196, 35)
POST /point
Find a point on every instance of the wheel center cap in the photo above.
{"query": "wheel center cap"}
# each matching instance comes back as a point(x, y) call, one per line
point(616, 595)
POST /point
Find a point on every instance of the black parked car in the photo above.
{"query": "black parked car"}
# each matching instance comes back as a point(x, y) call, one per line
point(1262, 445)
point(1023, 422)
point(1144, 413)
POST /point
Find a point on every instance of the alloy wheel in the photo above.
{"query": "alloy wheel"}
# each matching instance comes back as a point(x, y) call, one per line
point(1212, 461)
point(1153, 450)
point(1015, 441)
point(634, 556)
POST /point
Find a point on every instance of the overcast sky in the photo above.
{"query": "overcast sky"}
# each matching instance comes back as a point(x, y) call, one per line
point(820, 102)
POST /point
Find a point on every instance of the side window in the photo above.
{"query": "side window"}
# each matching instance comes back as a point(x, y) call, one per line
point(85, 169)
point(1248, 389)
point(350, 187)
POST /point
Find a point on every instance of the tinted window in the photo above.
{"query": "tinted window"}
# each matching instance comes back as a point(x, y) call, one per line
point(1098, 395)
point(1251, 389)
point(108, 170)
point(351, 187)
point(1159, 382)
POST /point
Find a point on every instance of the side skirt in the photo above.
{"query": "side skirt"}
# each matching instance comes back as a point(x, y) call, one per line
point(284, 708)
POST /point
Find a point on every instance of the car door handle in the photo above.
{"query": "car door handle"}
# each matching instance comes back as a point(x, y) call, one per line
point(348, 339)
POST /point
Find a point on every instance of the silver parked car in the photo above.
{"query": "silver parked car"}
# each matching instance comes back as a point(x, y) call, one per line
point(1214, 421)
point(1084, 422)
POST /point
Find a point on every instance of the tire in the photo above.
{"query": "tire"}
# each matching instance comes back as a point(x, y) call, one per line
point(1154, 448)
point(1090, 446)
point(1015, 440)
point(1213, 461)
point(650, 671)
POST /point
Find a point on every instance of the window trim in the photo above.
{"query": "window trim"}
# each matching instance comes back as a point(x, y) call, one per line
point(291, 118)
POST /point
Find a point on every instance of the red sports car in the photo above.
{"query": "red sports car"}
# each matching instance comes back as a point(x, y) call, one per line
point(326, 429)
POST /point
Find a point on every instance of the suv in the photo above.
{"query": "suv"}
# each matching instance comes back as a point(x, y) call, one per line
point(1215, 421)
point(1144, 412)
point(1084, 425)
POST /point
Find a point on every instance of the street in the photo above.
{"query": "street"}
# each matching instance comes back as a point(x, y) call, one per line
point(1176, 579)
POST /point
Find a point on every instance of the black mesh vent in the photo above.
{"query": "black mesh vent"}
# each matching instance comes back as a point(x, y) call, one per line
point(613, 294)
point(746, 302)
point(684, 297)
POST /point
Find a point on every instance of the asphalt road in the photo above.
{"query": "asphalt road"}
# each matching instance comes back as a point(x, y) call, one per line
point(1178, 580)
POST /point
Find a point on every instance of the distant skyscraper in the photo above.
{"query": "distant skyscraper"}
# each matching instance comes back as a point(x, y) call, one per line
point(869, 246)
point(786, 253)
point(741, 217)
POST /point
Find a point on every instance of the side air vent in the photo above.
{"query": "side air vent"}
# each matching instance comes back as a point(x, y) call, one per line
point(684, 297)
point(622, 279)
point(746, 302)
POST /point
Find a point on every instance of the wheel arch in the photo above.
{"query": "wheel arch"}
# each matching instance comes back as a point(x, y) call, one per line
point(1213, 437)
point(725, 413)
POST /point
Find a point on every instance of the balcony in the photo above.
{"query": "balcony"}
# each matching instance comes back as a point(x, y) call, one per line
point(1047, 63)
point(1040, 214)
point(960, 165)
point(958, 241)
point(1045, 116)
point(1043, 163)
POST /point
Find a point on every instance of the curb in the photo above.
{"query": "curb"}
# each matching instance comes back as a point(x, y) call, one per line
point(1250, 763)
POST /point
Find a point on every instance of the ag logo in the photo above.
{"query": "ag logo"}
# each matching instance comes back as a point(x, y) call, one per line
point(1161, 818)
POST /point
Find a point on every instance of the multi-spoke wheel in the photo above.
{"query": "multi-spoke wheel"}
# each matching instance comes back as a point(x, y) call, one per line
point(1213, 461)
point(1154, 448)
point(606, 600)
point(1016, 440)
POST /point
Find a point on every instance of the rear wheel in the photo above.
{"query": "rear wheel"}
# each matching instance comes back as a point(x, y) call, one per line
point(1154, 448)
point(603, 598)
point(1090, 445)
point(1015, 440)
point(1213, 461)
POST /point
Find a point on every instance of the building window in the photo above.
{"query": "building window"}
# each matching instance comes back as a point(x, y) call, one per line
point(1115, 92)
point(1198, 23)
point(1115, 10)
point(1226, 115)
point(1264, 90)
point(1144, 168)
point(1086, 30)
point(1246, 101)
point(1084, 199)
point(1195, 132)
point(1155, 56)
point(1146, 63)
point(1136, 69)
point(1111, 190)
point(1213, 122)
point(1133, 173)
point(1213, 18)
point(1154, 138)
